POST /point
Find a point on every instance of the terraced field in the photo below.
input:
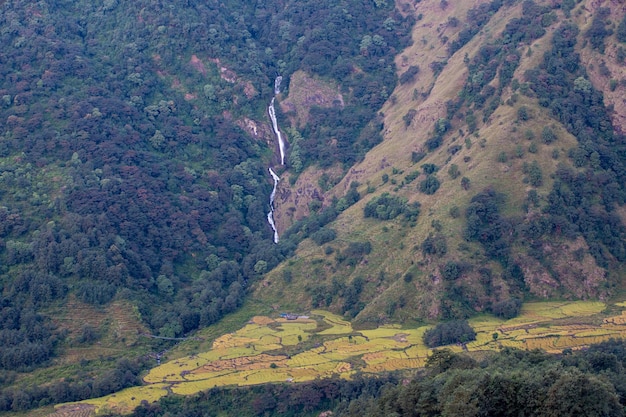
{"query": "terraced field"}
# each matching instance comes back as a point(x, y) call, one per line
point(322, 345)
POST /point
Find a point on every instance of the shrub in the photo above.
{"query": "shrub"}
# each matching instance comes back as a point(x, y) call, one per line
point(547, 135)
point(435, 245)
point(453, 171)
point(409, 75)
point(417, 156)
point(387, 207)
point(430, 185)
point(324, 235)
point(429, 168)
point(507, 309)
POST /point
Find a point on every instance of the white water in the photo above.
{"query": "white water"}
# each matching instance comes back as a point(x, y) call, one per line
point(277, 82)
point(281, 143)
point(281, 147)
point(270, 215)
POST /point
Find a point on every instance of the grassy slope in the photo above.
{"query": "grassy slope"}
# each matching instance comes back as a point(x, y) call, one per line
point(395, 247)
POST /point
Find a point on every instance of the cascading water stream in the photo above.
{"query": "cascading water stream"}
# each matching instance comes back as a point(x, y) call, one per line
point(281, 147)
point(281, 143)
point(270, 215)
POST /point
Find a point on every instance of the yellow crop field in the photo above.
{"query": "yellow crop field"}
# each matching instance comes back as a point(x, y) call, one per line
point(126, 400)
point(261, 320)
point(338, 324)
point(583, 308)
point(244, 358)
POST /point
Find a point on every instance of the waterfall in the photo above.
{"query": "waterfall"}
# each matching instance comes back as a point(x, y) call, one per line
point(270, 215)
point(277, 82)
point(281, 143)
point(281, 147)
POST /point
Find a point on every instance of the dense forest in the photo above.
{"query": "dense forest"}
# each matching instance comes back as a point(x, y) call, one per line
point(590, 382)
point(125, 169)
point(134, 153)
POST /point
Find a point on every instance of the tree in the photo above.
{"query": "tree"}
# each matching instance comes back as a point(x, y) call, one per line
point(455, 331)
point(465, 183)
point(576, 394)
point(430, 185)
point(453, 171)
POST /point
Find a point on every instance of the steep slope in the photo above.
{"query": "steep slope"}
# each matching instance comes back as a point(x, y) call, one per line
point(135, 143)
point(501, 133)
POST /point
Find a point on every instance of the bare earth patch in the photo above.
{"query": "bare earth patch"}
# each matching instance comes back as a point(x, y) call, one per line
point(306, 92)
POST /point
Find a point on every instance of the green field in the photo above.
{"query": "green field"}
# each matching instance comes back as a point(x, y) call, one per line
point(270, 349)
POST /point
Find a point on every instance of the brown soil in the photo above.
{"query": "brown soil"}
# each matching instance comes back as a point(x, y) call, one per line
point(292, 201)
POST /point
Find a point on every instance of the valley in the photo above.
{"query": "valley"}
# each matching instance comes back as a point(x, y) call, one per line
point(278, 203)
point(291, 348)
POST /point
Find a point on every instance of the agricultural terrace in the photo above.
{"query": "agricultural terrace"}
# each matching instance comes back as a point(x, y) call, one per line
point(303, 348)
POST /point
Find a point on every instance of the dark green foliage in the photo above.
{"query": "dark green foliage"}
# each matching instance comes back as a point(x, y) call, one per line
point(351, 303)
point(524, 114)
point(408, 76)
point(568, 6)
point(437, 67)
point(579, 107)
point(430, 168)
point(507, 309)
point(354, 253)
point(411, 176)
point(477, 17)
point(127, 172)
point(430, 185)
point(485, 225)
point(598, 30)
point(447, 333)
point(451, 270)
point(547, 135)
point(408, 117)
point(433, 143)
point(324, 235)
point(124, 373)
point(417, 156)
point(621, 30)
point(435, 245)
point(620, 55)
point(387, 207)
point(533, 171)
point(465, 183)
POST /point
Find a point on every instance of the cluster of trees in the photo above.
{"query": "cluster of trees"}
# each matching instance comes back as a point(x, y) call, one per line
point(583, 199)
point(387, 207)
point(511, 382)
point(125, 373)
point(561, 85)
point(448, 333)
point(476, 18)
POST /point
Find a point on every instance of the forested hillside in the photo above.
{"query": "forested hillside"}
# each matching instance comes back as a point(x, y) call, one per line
point(134, 151)
point(501, 176)
point(445, 159)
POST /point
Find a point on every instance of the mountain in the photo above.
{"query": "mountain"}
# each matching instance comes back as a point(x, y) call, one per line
point(505, 133)
point(443, 160)
point(134, 151)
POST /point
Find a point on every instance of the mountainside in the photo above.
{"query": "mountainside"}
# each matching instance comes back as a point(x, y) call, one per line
point(135, 144)
point(506, 131)
point(443, 159)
